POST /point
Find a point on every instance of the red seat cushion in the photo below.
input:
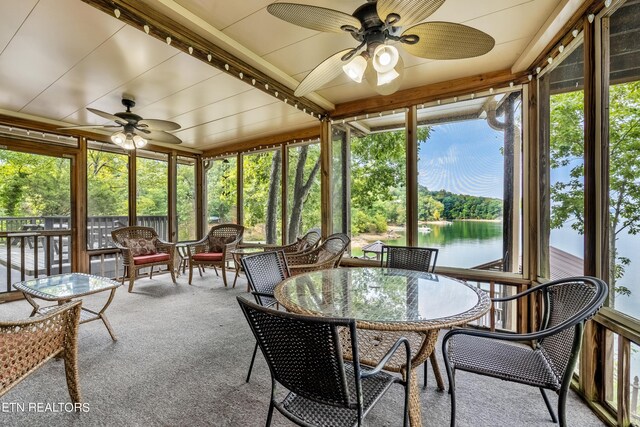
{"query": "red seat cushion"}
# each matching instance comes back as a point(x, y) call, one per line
point(148, 259)
point(208, 256)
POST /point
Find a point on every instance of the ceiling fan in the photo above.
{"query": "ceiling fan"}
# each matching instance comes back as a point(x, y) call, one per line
point(379, 26)
point(132, 130)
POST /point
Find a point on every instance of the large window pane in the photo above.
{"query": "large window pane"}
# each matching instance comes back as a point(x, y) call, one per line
point(378, 192)
point(186, 198)
point(152, 174)
point(222, 190)
point(262, 183)
point(35, 195)
point(339, 180)
point(303, 192)
point(562, 226)
point(624, 161)
point(107, 196)
point(469, 181)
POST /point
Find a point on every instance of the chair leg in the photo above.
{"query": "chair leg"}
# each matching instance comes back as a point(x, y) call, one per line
point(424, 365)
point(191, 271)
point(253, 359)
point(549, 408)
point(173, 273)
point(125, 273)
point(71, 372)
point(452, 382)
point(151, 273)
point(405, 421)
point(132, 276)
point(270, 414)
point(224, 274)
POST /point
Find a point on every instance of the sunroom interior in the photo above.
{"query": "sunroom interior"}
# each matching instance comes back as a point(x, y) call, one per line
point(521, 165)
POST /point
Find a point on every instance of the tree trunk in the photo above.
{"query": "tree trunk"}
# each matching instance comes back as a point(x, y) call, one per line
point(612, 265)
point(300, 192)
point(271, 228)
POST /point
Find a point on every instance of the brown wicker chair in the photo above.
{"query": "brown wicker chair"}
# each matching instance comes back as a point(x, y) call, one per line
point(302, 244)
point(215, 249)
point(27, 344)
point(141, 248)
point(327, 255)
point(418, 259)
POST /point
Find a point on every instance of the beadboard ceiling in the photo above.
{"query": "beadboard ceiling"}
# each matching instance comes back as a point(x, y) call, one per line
point(58, 57)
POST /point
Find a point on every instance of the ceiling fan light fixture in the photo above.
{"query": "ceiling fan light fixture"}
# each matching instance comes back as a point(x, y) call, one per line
point(388, 77)
point(139, 141)
point(128, 143)
point(355, 68)
point(118, 138)
point(385, 58)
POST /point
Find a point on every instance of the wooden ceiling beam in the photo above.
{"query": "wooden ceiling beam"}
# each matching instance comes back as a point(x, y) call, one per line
point(137, 15)
point(428, 93)
point(268, 141)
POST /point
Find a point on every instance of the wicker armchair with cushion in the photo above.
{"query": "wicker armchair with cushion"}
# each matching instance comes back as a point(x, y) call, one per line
point(264, 272)
point(27, 344)
point(302, 244)
point(305, 358)
point(418, 259)
point(142, 248)
point(551, 359)
point(327, 255)
point(215, 249)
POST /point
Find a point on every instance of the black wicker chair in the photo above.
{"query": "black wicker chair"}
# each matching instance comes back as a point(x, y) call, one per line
point(549, 364)
point(418, 259)
point(264, 271)
point(304, 355)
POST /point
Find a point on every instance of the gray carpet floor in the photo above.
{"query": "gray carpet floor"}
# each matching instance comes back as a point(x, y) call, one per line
point(181, 359)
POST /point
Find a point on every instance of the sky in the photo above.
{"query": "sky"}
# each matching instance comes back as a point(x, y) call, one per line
point(464, 158)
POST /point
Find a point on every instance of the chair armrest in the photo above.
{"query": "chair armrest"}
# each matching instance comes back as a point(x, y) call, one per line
point(197, 247)
point(386, 357)
point(165, 246)
point(303, 268)
point(262, 294)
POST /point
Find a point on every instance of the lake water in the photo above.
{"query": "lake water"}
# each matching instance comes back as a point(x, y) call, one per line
point(461, 243)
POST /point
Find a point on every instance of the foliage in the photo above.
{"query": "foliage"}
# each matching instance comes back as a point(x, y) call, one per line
point(443, 204)
point(186, 201)
point(222, 190)
point(107, 183)
point(34, 185)
point(303, 192)
point(567, 150)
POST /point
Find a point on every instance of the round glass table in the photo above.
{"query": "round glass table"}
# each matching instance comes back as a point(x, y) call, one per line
point(387, 304)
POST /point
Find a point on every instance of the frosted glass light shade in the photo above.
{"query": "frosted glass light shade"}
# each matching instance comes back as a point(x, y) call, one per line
point(355, 68)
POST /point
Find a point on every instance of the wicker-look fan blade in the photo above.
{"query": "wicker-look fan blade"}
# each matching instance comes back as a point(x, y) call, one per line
point(326, 71)
point(158, 124)
point(92, 127)
point(410, 11)
point(108, 116)
point(312, 17)
point(159, 135)
point(446, 40)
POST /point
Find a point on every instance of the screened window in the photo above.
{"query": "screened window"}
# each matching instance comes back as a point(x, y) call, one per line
point(186, 198)
point(221, 191)
point(107, 194)
point(152, 175)
point(469, 181)
point(262, 186)
point(303, 189)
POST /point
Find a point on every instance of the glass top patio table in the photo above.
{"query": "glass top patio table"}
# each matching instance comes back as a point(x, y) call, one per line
point(387, 304)
point(65, 287)
point(406, 298)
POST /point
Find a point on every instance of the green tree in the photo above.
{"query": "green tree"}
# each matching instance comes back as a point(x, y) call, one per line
point(567, 150)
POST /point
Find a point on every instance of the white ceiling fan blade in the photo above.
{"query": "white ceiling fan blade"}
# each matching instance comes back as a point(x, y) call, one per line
point(447, 40)
point(313, 17)
point(158, 124)
point(410, 11)
point(108, 116)
point(326, 71)
point(159, 135)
